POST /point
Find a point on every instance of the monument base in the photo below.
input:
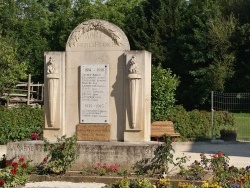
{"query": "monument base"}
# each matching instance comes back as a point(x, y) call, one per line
point(124, 154)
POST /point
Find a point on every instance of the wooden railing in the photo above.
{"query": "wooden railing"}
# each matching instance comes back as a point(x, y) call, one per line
point(28, 93)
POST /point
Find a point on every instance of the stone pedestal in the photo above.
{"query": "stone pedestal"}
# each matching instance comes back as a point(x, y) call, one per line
point(90, 153)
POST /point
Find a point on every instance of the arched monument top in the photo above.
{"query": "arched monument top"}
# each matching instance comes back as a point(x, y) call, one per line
point(97, 34)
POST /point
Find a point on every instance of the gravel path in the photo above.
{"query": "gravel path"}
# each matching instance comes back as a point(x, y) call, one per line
point(61, 184)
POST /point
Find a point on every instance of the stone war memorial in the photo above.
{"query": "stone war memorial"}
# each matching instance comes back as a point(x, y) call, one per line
point(99, 90)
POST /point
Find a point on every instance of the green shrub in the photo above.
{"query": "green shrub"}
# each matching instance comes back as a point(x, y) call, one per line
point(60, 156)
point(18, 123)
point(198, 124)
point(163, 87)
point(222, 120)
point(163, 161)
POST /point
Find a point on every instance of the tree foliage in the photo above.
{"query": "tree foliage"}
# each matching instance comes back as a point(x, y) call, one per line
point(25, 21)
point(193, 38)
point(241, 79)
point(12, 70)
point(154, 26)
point(204, 42)
point(164, 85)
point(207, 52)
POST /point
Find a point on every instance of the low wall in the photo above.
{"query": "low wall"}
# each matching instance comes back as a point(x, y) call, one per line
point(125, 154)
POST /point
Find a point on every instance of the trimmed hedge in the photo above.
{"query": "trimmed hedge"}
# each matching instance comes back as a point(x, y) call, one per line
point(197, 124)
point(18, 123)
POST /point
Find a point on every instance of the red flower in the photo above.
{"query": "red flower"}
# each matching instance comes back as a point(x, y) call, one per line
point(24, 165)
point(21, 160)
point(45, 159)
point(34, 136)
point(220, 153)
point(14, 164)
point(8, 163)
point(2, 182)
point(13, 172)
point(98, 164)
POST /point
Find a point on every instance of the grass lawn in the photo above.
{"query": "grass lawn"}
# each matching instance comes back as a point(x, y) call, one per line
point(242, 121)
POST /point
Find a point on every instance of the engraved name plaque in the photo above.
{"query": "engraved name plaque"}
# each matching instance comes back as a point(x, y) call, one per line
point(94, 93)
point(93, 132)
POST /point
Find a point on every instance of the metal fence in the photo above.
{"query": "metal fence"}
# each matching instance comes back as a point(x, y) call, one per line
point(239, 105)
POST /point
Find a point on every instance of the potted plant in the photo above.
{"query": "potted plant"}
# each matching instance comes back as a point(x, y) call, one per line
point(228, 134)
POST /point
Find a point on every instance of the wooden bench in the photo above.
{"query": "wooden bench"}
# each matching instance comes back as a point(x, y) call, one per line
point(159, 128)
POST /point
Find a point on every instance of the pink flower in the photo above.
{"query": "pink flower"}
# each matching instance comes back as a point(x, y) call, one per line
point(220, 153)
point(98, 164)
point(113, 167)
point(214, 156)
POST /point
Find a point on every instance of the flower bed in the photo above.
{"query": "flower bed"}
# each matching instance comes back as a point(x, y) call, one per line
point(115, 180)
point(210, 172)
point(14, 173)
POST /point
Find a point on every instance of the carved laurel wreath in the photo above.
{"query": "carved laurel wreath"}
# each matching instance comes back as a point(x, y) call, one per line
point(94, 25)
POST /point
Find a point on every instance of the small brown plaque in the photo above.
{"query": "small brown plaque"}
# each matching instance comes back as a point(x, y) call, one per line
point(93, 132)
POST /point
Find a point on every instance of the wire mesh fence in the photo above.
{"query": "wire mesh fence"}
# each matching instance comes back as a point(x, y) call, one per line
point(239, 105)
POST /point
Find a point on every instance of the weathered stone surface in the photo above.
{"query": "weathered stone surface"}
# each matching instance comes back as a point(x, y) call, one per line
point(125, 154)
point(33, 150)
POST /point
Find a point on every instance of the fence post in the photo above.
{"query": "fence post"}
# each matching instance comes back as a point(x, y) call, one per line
point(212, 113)
point(28, 97)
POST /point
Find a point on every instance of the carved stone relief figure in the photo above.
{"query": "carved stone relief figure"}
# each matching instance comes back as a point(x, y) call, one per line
point(52, 67)
point(133, 69)
point(134, 85)
point(52, 82)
